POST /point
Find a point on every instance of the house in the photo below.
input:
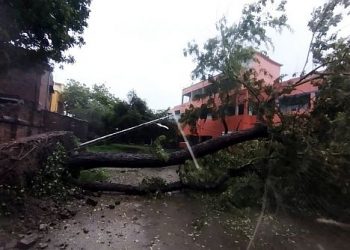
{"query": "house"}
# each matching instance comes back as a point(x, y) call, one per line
point(242, 115)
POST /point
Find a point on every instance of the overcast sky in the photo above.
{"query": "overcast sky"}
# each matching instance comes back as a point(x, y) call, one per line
point(139, 44)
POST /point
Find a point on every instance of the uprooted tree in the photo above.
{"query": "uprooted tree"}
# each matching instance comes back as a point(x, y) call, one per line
point(305, 157)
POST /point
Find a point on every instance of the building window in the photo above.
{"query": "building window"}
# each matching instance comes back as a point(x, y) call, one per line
point(252, 108)
point(186, 98)
point(230, 110)
point(197, 94)
point(241, 109)
point(294, 103)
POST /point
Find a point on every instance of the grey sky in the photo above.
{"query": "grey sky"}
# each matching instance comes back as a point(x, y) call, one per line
point(138, 44)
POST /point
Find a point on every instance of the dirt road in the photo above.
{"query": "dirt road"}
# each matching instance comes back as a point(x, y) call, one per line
point(176, 221)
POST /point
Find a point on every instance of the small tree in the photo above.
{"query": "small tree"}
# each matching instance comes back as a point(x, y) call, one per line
point(228, 53)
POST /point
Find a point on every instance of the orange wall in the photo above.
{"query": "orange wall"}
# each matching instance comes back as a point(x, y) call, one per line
point(214, 128)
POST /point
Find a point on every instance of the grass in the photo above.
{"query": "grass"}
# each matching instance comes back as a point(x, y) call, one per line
point(93, 175)
point(120, 148)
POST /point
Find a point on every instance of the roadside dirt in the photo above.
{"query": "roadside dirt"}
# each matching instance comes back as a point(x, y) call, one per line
point(174, 221)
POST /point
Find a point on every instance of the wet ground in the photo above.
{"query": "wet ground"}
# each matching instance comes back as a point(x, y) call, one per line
point(179, 221)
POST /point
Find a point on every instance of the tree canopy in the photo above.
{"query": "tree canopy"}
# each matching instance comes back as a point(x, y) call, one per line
point(106, 113)
point(223, 59)
point(40, 30)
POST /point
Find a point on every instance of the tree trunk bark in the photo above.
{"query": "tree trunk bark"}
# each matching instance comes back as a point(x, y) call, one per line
point(170, 187)
point(224, 123)
point(89, 160)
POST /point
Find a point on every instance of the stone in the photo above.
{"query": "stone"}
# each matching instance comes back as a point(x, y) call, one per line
point(111, 206)
point(91, 202)
point(85, 230)
point(96, 194)
point(72, 212)
point(117, 202)
point(64, 215)
point(63, 246)
point(28, 241)
point(43, 227)
point(42, 245)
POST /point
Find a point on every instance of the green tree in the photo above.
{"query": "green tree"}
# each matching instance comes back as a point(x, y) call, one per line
point(94, 105)
point(223, 58)
point(76, 96)
point(40, 30)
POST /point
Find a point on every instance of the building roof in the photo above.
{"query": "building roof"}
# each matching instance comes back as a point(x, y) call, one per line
point(268, 59)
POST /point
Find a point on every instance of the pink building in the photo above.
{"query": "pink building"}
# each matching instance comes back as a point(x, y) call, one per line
point(242, 115)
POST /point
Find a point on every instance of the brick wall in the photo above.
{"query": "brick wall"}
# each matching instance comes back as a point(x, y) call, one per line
point(21, 120)
point(58, 122)
point(31, 85)
point(21, 85)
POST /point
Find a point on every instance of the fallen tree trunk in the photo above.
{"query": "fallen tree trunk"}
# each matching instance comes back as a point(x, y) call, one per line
point(87, 160)
point(170, 187)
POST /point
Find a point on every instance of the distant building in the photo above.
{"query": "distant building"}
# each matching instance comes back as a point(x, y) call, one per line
point(56, 104)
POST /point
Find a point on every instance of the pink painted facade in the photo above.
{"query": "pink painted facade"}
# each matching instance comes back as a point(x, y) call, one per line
point(301, 99)
point(242, 116)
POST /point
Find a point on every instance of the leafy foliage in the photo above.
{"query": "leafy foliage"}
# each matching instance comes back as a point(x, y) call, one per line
point(228, 56)
point(94, 105)
point(325, 40)
point(158, 148)
point(240, 191)
point(306, 157)
point(40, 30)
point(93, 175)
point(49, 182)
point(106, 114)
point(152, 184)
point(235, 44)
